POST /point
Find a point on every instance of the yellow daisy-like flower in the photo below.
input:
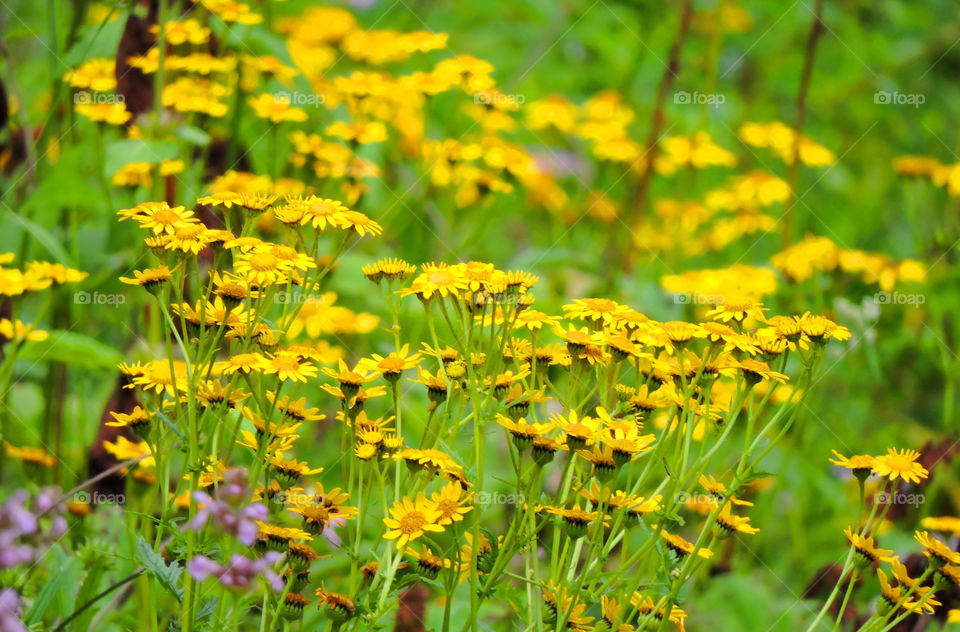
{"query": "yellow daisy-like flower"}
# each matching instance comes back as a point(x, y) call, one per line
point(276, 108)
point(222, 198)
point(947, 524)
point(295, 409)
point(533, 320)
point(109, 113)
point(389, 269)
point(158, 217)
point(893, 595)
point(646, 605)
point(393, 364)
point(18, 330)
point(364, 451)
point(866, 549)
point(318, 212)
point(449, 502)
point(340, 607)
point(149, 278)
point(439, 279)
point(859, 463)
point(734, 524)
point(31, 456)
point(683, 547)
point(137, 418)
point(580, 431)
point(595, 310)
point(755, 371)
point(261, 267)
point(359, 223)
point(240, 362)
point(738, 312)
point(279, 538)
point(98, 74)
point(900, 464)
point(410, 519)
point(287, 366)
point(937, 550)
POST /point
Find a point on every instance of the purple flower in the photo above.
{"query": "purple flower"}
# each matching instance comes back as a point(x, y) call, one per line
point(45, 499)
point(10, 611)
point(15, 515)
point(240, 573)
point(20, 532)
point(229, 511)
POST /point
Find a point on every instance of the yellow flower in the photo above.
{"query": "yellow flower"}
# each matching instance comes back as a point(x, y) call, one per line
point(32, 456)
point(393, 364)
point(865, 548)
point(276, 108)
point(683, 547)
point(98, 74)
point(158, 217)
point(110, 113)
point(389, 269)
point(646, 605)
point(731, 524)
point(183, 32)
point(595, 310)
point(242, 362)
point(727, 311)
point(279, 538)
point(19, 330)
point(230, 11)
point(295, 409)
point(359, 223)
point(148, 278)
point(936, 549)
point(859, 463)
point(900, 464)
point(287, 366)
point(950, 524)
point(136, 418)
point(439, 279)
point(449, 502)
point(410, 519)
point(192, 94)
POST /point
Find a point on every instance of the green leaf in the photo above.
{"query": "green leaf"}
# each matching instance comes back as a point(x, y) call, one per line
point(71, 348)
point(44, 236)
point(64, 576)
point(193, 135)
point(89, 588)
point(123, 152)
point(167, 575)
